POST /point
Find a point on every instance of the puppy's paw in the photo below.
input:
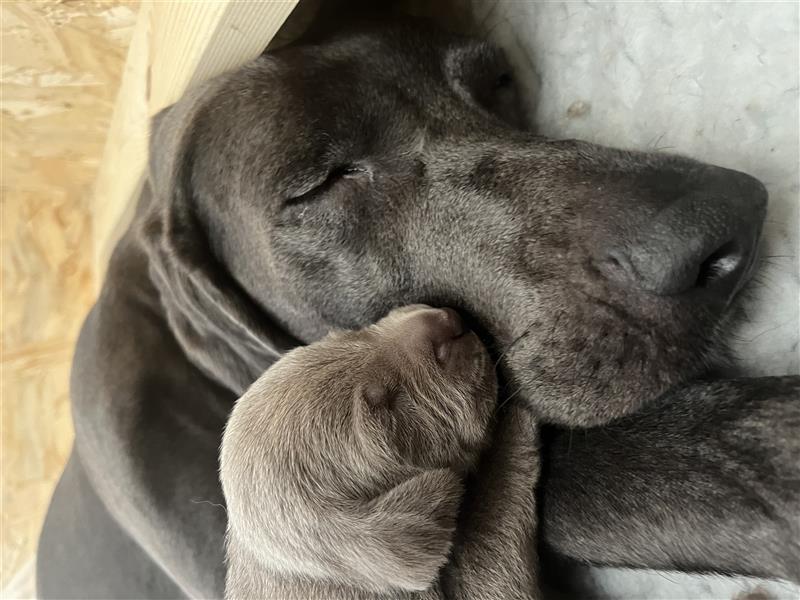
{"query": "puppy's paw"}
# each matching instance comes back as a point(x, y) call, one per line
point(412, 527)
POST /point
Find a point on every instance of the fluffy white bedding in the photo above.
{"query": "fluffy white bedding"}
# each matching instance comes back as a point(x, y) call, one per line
point(718, 82)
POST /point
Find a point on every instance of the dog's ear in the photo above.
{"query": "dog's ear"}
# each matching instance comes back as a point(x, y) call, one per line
point(397, 542)
point(220, 327)
point(407, 533)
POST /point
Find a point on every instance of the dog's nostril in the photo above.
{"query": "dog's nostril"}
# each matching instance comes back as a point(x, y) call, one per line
point(705, 239)
point(719, 264)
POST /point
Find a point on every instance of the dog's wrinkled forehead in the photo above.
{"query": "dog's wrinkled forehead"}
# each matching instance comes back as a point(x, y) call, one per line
point(354, 95)
point(400, 54)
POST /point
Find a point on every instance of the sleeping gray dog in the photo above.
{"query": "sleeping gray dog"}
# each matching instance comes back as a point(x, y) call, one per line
point(328, 182)
point(344, 466)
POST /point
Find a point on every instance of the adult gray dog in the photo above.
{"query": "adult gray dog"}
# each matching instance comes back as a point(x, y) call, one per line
point(326, 183)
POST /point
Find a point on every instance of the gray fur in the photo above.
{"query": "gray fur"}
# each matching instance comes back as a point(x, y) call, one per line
point(344, 466)
point(250, 238)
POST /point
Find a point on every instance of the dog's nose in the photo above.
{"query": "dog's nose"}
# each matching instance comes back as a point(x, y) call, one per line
point(707, 238)
point(435, 328)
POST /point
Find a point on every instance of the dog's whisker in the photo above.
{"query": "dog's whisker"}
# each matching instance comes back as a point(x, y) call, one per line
point(507, 400)
point(511, 345)
point(214, 504)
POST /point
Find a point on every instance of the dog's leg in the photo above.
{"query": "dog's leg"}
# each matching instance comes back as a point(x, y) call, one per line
point(706, 480)
point(495, 552)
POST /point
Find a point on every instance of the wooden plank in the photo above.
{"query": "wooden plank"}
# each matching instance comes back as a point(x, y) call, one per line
point(120, 175)
point(62, 63)
point(176, 45)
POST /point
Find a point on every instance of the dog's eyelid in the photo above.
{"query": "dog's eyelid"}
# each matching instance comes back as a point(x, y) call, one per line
point(350, 169)
point(336, 173)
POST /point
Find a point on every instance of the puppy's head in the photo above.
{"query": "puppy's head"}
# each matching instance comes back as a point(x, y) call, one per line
point(351, 450)
point(423, 387)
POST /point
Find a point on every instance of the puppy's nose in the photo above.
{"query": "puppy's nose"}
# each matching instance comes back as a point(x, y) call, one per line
point(435, 328)
point(705, 239)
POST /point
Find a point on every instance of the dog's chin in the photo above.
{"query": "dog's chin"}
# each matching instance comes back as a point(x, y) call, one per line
point(713, 356)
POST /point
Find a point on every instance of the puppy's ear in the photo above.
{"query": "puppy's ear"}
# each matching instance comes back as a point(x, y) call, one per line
point(409, 531)
point(219, 326)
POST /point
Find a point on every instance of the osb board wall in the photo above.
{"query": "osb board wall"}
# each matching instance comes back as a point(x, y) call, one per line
point(61, 66)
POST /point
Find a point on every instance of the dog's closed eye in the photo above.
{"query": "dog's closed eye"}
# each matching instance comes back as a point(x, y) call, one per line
point(320, 186)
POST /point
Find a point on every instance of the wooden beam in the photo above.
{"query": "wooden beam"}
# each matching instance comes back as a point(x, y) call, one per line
point(176, 45)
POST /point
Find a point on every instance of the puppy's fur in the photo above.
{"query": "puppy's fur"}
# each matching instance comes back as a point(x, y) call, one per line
point(344, 469)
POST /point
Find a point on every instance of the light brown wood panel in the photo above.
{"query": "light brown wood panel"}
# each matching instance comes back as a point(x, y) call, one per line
point(62, 63)
point(61, 66)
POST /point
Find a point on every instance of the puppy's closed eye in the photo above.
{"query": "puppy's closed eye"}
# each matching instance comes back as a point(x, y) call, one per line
point(379, 396)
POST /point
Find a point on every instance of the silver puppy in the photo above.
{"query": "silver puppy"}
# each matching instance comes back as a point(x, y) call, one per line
point(345, 466)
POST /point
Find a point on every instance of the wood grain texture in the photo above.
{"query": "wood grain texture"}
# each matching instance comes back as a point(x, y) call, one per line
point(75, 112)
point(61, 66)
point(176, 45)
